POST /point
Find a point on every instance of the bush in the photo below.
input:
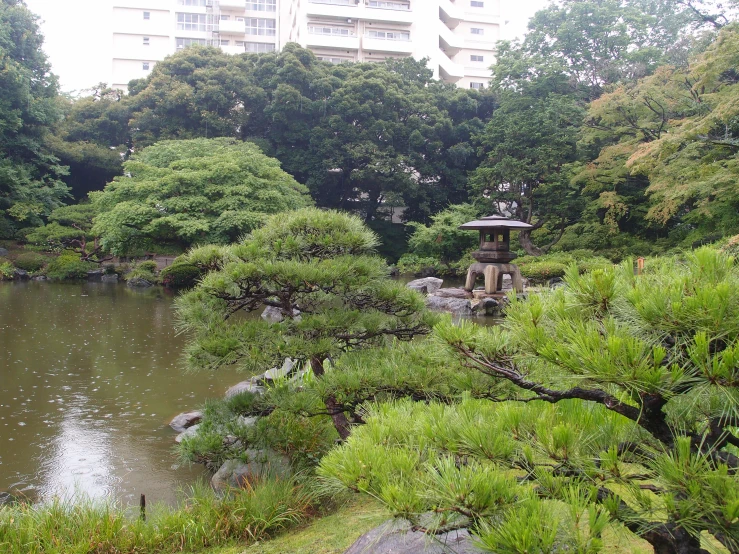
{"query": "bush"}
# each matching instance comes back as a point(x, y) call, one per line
point(30, 261)
point(542, 271)
point(149, 265)
point(179, 276)
point(68, 266)
point(7, 271)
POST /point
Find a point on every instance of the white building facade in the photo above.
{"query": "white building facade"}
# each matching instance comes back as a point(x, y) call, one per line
point(457, 36)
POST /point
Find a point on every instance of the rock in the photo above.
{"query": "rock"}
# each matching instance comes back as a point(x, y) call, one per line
point(452, 293)
point(457, 306)
point(244, 386)
point(279, 372)
point(421, 289)
point(274, 315)
point(4, 252)
point(95, 274)
point(21, 274)
point(7, 499)
point(556, 282)
point(236, 473)
point(138, 282)
point(39, 278)
point(395, 537)
point(187, 433)
point(185, 420)
point(432, 284)
point(394, 271)
point(247, 421)
point(109, 278)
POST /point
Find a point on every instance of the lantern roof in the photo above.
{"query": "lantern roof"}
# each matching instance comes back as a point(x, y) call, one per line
point(495, 222)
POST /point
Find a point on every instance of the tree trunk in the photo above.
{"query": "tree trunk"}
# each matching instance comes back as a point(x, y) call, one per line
point(672, 539)
point(341, 422)
point(524, 239)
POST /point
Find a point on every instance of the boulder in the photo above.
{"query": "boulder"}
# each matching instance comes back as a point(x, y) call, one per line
point(395, 537)
point(109, 278)
point(274, 315)
point(39, 278)
point(394, 271)
point(139, 282)
point(279, 372)
point(237, 473)
point(21, 274)
point(245, 421)
point(421, 289)
point(244, 386)
point(485, 305)
point(432, 284)
point(95, 274)
point(456, 306)
point(452, 293)
point(187, 433)
point(185, 420)
point(4, 252)
point(6, 499)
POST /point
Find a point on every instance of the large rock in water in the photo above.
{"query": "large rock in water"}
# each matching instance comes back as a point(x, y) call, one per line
point(432, 284)
point(187, 433)
point(456, 306)
point(274, 315)
point(138, 282)
point(244, 386)
point(452, 293)
point(187, 419)
point(395, 537)
point(261, 463)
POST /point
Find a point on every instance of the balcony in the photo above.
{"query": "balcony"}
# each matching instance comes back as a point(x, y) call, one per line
point(388, 12)
point(340, 9)
point(448, 40)
point(395, 46)
point(232, 27)
point(233, 49)
point(327, 37)
point(448, 70)
point(450, 14)
point(237, 5)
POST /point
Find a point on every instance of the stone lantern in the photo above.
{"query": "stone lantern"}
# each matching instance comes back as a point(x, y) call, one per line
point(494, 256)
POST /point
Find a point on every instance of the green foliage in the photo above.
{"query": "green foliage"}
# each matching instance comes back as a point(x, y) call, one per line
point(30, 261)
point(203, 520)
point(178, 276)
point(7, 270)
point(68, 266)
point(442, 239)
point(185, 192)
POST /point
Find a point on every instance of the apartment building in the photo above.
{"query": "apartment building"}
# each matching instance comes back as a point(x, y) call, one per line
point(457, 36)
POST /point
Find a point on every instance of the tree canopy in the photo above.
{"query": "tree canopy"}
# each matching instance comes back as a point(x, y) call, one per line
point(192, 191)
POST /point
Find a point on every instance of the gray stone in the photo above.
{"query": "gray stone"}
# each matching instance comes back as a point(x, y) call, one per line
point(237, 473)
point(394, 271)
point(109, 278)
point(187, 433)
point(244, 386)
point(452, 293)
point(7, 499)
point(138, 282)
point(4, 252)
point(95, 274)
point(421, 289)
point(395, 537)
point(184, 420)
point(38, 278)
point(245, 421)
point(279, 372)
point(21, 274)
point(457, 306)
point(274, 315)
point(432, 284)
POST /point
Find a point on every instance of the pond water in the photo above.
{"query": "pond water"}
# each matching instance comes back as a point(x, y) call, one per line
point(90, 376)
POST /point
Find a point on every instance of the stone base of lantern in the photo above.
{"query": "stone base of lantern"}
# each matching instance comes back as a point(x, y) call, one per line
point(493, 273)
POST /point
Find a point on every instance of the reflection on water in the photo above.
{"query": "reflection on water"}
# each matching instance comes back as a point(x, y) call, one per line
point(89, 379)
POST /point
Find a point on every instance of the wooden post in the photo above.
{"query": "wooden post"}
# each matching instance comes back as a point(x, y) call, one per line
point(142, 507)
point(639, 266)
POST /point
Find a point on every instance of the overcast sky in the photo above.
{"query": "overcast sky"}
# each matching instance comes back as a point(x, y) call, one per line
point(78, 38)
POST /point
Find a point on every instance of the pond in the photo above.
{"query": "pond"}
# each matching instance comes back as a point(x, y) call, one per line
point(90, 376)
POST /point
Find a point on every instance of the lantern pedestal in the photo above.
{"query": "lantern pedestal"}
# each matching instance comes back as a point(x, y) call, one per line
point(493, 274)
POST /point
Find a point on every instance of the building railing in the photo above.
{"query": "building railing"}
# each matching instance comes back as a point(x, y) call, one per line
point(331, 31)
point(335, 2)
point(397, 6)
point(400, 38)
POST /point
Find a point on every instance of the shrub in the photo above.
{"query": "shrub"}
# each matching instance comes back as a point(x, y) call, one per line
point(30, 261)
point(541, 271)
point(411, 263)
point(7, 271)
point(179, 276)
point(149, 265)
point(68, 266)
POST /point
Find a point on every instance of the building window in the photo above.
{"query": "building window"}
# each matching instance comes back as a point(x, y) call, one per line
point(389, 5)
point(240, 43)
point(477, 86)
point(476, 58)
point(477, 4)
point(476, 31)
point(225, 18)
point(145, 66)
point(390, 35)
point(332, 60)
point(262, 27)
point(261, 5)
point(191, 2)
point(333, 31)
point(259, 47)
point(192, 22)
point(146, 41)
point(225, 42)
point(147, 15)
point(184, 42)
